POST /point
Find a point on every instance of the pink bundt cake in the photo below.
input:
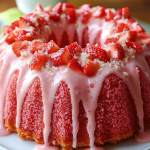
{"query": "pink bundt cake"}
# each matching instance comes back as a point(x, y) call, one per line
point(75, 77)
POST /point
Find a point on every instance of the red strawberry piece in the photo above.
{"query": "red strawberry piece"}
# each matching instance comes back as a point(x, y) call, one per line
point(111, 40)
point(54, 16)
point(74, 48)
point(109, 15)
point(130, 21)
point(36, 46)
point(128, 36)
point(126, 12)
point(74, 65)
point(98, 37)
point(67, 5)
point(38, 61)
point(85, 37)
point(48, 8)
point(38, 7)
point(10, 38)
point(137, 47)
point(42, 21)
point(26, 35)
point(143, 38)
point(85, 16)
point(96, 52)
point(90, 68)
point(29, 16)
point(65, 40)
point(120, 28)
point(57, 8)
point(24, 23)
point(85, 7)
point(116, 51)
point(71, 15)
point(52, 47)
point(61, 57)
point(100, 12)
point(118, 14)
point(19, 46)
point(138, 28)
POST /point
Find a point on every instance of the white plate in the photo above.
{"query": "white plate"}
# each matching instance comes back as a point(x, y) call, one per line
point(12, 142)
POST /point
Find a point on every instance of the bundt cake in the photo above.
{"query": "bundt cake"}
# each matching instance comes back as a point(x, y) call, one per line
point(75, 77)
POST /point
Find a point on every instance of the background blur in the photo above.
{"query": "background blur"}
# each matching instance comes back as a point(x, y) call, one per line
point(140, 9)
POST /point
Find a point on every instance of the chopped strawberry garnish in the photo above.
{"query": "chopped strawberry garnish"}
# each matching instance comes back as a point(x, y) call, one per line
point(116, 51)
point(139, 29)
point(52, 47)
point(61, 57)
point(118, 14)
point(90, 68)
point(143, 38)
point(137, 47)
point(10, 38)
point(57, 8)
point(126, 12)
point(74, 48)
point(111, 40)
point(42, 21)
point(38, 61)
point(85, 16)
point(36, 46)
point(48, 8)
point(130, 21)
point(71, 15)
point(38, 7)
point(74, 65)
point(128, 36)
point(120, 27)
point(24, 23)
point(54, 16)
point(67, 5)
point(85, 7)
point(109, 16)
point(19, 46)
point(100, 12)
point(96, 52)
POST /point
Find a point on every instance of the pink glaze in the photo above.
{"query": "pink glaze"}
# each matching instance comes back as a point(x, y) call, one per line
point(4, 131)
point(142, 137)
point(43, 147)
point(89, 96)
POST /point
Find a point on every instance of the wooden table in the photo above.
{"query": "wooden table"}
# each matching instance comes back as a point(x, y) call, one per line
point(139, 8)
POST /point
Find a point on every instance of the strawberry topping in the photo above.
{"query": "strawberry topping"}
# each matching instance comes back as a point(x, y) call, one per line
point(70, 15)
point(38, 61)
point(57, 8)
point(85, 7)
point(74, 48)
point(74, 65)
point(52, 47)
point(36, 46)
point(85, 16)
point(100, 12)
point(90, 68)
point(109, 16)
point(137, 47)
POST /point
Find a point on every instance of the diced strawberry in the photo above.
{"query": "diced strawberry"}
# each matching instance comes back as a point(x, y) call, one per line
point(38, 7)
point(85, 16)
point(10, 38)
point(74, 65)
point(96, 52)
point(118, 14)
point(67, 5)
point(18, 46)
point(128, 36)
point(36, 46)
point(71, 15)
point(137, 47)
point(38, 61)
point(52, 47)
point(85, 7)
point(29, 15)
point(57, 8)
point(90, 68)
point(143, 38)
point(74, 48)
point(61, 57)
point(120, 28)
point(42, 21)
point(126, 12)
point(48, 8)
point(100, 12)
point(116, 51)
point(54, 16)
point(24, 23)
point(109, 15)
point(138, 28)
point(111, 40)
point(130, 21)
point(26, 35)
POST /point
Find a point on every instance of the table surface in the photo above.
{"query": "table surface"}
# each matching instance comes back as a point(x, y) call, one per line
point(139, 8)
